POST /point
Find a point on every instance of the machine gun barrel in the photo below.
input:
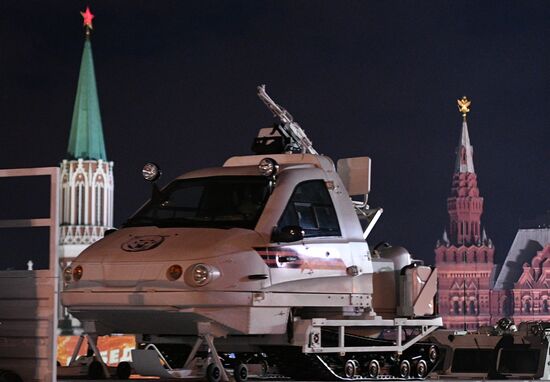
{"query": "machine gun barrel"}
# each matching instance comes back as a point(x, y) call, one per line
point(277, 110)
point(288, 127)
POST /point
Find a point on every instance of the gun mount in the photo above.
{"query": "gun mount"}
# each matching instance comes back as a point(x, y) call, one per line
point(291, 137)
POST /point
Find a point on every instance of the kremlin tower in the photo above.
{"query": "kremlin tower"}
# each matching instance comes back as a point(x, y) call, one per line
point(86, 175)
point(464, 255)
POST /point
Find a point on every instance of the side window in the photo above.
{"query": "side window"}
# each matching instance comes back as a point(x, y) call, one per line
point(311, 208)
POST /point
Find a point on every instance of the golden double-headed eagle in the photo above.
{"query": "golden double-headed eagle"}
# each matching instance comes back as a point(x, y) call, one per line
point(463, 106)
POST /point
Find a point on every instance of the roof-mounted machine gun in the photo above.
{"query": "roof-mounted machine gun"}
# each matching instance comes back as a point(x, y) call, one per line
point(286, 136)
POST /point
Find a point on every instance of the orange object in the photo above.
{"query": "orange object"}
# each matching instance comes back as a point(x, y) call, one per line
point(114, 349)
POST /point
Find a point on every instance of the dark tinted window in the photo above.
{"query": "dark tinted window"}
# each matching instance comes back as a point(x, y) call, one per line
point(311, 208)
point(215, 202)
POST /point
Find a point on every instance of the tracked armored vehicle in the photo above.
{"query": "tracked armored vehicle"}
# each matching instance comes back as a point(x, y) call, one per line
point(500, 352)
point(261, 261)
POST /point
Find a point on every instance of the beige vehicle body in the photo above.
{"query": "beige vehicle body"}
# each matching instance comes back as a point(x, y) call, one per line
point(126, 290)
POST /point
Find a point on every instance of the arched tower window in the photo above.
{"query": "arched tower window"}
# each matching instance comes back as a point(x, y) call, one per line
point(99, 204)
point(527, 306)
point(456, 307)
point(453, 229)
point(79, 202)
point(472, 307)
point(507, 306)
point(66, 199)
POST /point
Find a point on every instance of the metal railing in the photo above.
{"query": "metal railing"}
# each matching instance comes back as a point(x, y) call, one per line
point(29, 299)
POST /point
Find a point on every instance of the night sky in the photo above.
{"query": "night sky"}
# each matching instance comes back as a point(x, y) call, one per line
point(177, 86)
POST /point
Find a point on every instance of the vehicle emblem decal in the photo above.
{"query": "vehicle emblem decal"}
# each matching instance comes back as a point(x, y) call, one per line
point(142, 243)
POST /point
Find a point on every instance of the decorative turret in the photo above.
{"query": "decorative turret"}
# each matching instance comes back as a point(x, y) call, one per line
point(445, 237)
point(465, 151)
point(86, 176)
point(465, 206)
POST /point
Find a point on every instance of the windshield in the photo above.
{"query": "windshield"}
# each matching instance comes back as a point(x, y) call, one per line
point(215, 202)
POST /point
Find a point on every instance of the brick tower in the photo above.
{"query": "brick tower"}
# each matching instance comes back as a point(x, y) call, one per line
point(87, 184)
point(464, 257)
point(86, 176)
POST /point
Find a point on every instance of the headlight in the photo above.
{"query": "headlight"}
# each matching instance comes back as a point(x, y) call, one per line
point(77, 273)
point(201, 274)
point(151, 172)
point(268, 167)
point(174, 272)
point(68, 274)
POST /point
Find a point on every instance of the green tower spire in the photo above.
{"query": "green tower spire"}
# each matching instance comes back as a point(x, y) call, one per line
point(86, 138)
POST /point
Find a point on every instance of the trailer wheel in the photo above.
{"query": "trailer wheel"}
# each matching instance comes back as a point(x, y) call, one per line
point(240, 372)
point(213, 373)
point(9, 376)
point(123, 370)
point(95, 370)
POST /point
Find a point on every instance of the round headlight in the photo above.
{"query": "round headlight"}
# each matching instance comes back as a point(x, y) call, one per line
point(68, 274)
point(174, 272)
point(151, 172)
point(268, 167)
point(201, 274)
point(77, 273)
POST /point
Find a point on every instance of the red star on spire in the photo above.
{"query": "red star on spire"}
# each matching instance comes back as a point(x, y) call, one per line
point(88, 16)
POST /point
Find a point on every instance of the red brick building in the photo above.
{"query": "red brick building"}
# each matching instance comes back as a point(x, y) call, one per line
point(532, 291)
point(464, 255)
point(470, 293)
point(522, 289)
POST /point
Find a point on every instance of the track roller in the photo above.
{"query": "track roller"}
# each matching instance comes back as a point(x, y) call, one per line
point(404, 370)
point(433, 354)
point(373, 368)
point(351, 369)
point(421, 369)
